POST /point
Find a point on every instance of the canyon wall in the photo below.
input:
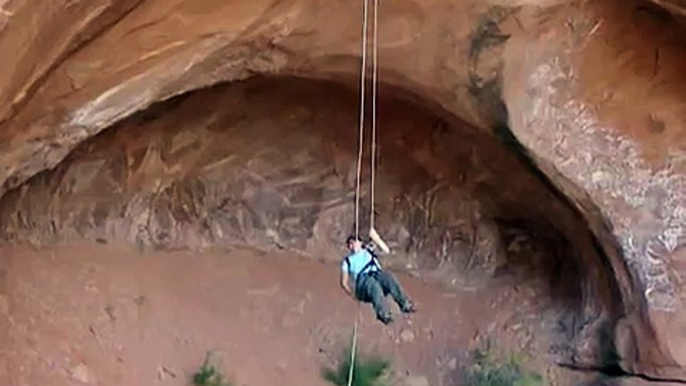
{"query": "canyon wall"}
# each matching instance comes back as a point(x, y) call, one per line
point(590, 91)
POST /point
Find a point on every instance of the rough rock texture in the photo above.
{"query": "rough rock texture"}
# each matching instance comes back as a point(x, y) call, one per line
point(614, 142)
point(677, 7)
point(271, 164)
point(591, 89)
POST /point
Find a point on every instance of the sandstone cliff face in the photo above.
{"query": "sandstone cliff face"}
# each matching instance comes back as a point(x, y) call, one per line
point(271, 164)
point(592, 90)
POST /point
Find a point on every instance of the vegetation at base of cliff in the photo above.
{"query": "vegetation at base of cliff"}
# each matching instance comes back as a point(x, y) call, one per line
point(487, 370)
point(366, 371)
point(209, 375)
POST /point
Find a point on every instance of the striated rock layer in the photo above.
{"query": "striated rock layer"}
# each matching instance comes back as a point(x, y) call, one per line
point(592, 91)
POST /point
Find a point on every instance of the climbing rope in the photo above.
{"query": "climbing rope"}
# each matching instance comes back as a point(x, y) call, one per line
point(353, 348)
point(361, 130)
point(375, 71)
point(360, 150)
point(360, 146)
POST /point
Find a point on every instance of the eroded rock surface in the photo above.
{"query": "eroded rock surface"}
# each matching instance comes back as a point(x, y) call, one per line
point(593, 90)
point(272, 165)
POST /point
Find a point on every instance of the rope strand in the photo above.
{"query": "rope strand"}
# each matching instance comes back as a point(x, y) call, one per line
point(375, 70)
point(353, 349)
point(360, 146)
point(360, 152)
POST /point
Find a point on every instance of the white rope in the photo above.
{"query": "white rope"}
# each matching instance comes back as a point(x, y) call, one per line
point(353, 349)
point(375, 71)
point(360, 152)
point(360, 146)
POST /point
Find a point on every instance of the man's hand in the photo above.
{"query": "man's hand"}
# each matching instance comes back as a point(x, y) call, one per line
point(345, 284)
point(374, 235)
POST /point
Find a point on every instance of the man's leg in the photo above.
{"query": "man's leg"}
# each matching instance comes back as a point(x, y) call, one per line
point(371, 291)
point(391, 286)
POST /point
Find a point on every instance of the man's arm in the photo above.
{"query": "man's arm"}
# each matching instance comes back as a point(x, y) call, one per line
point(345, 283)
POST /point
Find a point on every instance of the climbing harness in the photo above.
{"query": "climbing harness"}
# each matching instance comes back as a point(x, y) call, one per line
point(360, 151)
point(372, 263)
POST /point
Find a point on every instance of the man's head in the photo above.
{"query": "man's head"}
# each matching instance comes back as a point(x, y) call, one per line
point(353, 243)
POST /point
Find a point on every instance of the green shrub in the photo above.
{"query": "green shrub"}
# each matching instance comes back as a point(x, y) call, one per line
point(209, 375)
point(366, 372)
point(486, 370)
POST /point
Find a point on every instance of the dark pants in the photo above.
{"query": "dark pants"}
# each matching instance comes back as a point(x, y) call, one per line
point(374, 286)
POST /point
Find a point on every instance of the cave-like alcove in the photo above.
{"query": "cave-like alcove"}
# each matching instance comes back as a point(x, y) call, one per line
point(269, 163)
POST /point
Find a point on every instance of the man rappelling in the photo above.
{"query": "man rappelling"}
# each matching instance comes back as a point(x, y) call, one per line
point(363, 278)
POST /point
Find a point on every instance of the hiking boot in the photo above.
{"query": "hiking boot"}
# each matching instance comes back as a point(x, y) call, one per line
point(385, 319)
point(409, 308)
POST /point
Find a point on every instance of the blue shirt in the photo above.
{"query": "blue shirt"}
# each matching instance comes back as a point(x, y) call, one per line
point(358, 260)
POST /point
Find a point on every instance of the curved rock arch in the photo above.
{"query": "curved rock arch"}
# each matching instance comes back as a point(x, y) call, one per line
point(562, 76)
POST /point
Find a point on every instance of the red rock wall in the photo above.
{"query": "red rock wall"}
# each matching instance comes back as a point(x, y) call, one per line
point(271, 164)
point(592, 89)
